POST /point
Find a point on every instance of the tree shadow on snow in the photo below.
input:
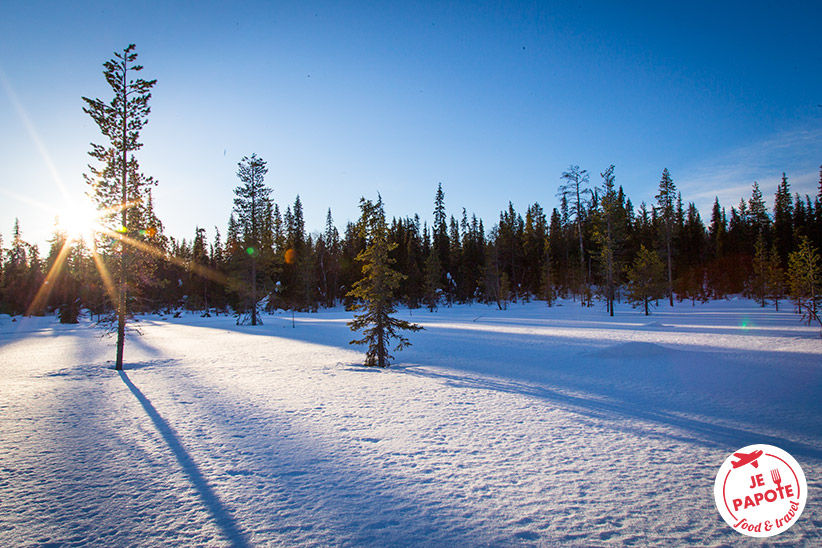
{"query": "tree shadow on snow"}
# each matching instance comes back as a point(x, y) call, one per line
point(222, 517)
point(693, 430)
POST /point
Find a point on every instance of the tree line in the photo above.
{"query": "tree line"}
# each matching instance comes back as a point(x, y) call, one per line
point(596, 246)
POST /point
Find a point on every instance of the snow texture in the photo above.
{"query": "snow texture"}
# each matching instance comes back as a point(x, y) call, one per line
point(534, 426)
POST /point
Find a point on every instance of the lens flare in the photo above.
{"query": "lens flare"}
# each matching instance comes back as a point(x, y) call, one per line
point(80, 220)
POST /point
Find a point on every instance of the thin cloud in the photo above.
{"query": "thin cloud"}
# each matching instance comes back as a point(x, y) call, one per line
point(731, 177)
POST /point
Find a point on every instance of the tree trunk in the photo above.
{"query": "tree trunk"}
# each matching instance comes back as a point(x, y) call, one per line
point(121, 294)
point(121, 324)
point(670, 272)
point(253, 289)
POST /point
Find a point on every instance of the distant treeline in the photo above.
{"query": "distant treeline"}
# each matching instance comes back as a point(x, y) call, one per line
point(597, 246)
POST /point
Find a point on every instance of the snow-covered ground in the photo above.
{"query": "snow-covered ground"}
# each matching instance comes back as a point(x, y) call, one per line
point(530, 426)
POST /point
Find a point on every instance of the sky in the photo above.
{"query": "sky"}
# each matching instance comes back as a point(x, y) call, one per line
point(351, 99)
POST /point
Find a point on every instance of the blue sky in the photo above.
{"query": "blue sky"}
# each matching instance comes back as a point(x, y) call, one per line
point(351, 98)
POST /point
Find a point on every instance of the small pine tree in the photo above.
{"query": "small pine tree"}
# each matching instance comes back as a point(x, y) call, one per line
point(547, 291)
point(805, 280)
point(646, 279)
point(375, 291)
point(504, 289)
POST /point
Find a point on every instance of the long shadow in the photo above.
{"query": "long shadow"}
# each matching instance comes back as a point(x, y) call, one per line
point(219, 513)
point(662, 389)
point(714, 435)
point(487, 353)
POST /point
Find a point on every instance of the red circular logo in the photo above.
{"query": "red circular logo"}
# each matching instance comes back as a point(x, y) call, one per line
point(760, 490)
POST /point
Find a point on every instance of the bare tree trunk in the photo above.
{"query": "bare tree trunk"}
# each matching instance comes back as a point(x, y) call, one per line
point(253, 289)
point(121, 294)
point(121, 324)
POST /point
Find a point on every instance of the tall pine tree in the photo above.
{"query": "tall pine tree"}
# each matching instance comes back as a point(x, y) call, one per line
point(667, 215)
point(119, 187)
point(251, 205)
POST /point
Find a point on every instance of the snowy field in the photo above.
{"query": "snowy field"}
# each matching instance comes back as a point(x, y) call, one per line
point(533, 426)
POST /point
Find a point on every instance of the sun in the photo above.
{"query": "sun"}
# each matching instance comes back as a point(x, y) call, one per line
point(79, 220)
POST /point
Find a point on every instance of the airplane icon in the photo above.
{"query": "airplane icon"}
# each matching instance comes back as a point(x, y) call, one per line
point(747, 458)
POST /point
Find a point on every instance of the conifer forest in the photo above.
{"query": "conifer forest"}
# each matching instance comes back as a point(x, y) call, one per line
point(597, 247)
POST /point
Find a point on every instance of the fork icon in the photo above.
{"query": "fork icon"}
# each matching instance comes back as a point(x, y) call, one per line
point(777, 479)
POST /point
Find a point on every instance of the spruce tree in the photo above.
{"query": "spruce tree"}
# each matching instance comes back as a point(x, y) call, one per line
point(250, 205)
point(783, 219)
point(667, 215)
point(432, 274)
point(646, 279)
point(439, 233)
point(375, 292)
point(805, 280)
point(758, 212)
point(776, 277)
point(608, 237)
point(758, 285)
point(576, 196)
point(118, 187)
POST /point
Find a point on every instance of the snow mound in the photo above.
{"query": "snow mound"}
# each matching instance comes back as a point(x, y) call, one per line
point(655, 324)
point(632, 350)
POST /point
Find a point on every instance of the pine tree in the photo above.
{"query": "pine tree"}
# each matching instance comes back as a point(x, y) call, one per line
point(758, 212)
point(63, 285)
point(667, 215)
point(432, 275)
point(439, 232)
point(608, 237)
point(250, 206)
point(758, 284)
point(783, 219)
point(646, 278)
point(576, 196)
point(328, 257)
point(118, 186)
point(375, 291)
point(547, 292)
point(805, 280)
point(492, 276)
point(776, 277)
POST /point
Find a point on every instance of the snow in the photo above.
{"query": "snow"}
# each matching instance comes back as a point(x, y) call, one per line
point(532, 426)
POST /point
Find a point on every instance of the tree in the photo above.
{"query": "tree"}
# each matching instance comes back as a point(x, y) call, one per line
point(375, 291)
point(805, 280)
point(667, 215)
point(328, 258)
point(439, 233)
point(646, 278)
point(758, 284)
point(432, 274)
point(608, 236)
point(574, 193)
point(758, 211)
point(776, 277)
point(63, 286)
point(250, 205)
point(118, 187)
point(783, 219)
